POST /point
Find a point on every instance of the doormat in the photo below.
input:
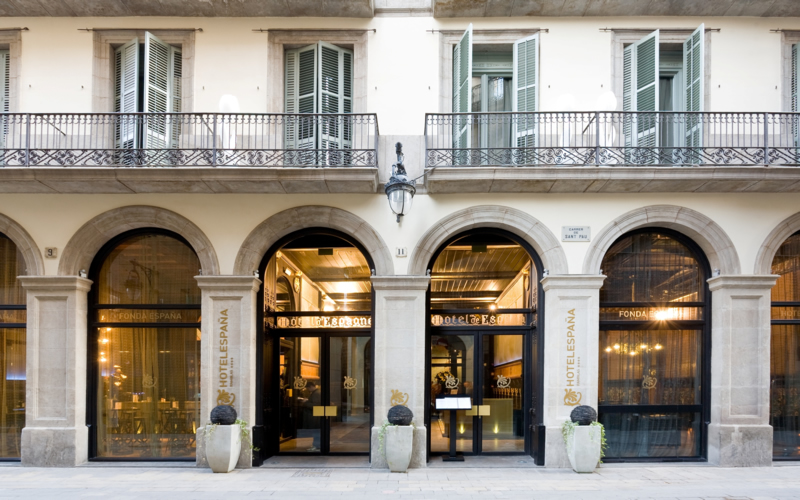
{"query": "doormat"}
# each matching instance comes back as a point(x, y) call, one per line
point(312, 473)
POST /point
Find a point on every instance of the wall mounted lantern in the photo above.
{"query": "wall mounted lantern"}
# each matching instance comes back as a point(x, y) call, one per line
point(400, 190)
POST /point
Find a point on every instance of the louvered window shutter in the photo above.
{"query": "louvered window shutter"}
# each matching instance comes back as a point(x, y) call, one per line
point(126, 94)
point(795, 98)
point(526, 98)
point(300, 96)
point(176, 75)
point(5, 87)
point(640, 94)
point(157, 91)
point(694, 69)
point(462, 76)
point(335, 96)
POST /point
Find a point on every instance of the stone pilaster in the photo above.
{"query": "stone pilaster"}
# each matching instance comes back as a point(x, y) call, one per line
point(571, 319)
point(228, 352)
point(739, 432)
point(400, 348)
point(55, 433)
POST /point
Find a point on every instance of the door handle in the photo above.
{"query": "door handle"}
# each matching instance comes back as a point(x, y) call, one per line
point(324, 411)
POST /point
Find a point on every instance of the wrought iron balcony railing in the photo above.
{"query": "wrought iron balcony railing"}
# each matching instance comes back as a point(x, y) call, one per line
point(188, 140)
point(611, 139)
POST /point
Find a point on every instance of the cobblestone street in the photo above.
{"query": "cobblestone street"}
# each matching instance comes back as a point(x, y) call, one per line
point(614, 481)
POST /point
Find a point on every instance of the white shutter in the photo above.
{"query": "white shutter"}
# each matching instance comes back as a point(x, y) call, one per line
point(300, 96)
point(176, 74)
point(5, 86)
point(640, 93)
point(795, 97)
point(126, 93)
point(335, 87)
point(526, 97)
point(694, 69)
point(462, 76)
point(157, 95)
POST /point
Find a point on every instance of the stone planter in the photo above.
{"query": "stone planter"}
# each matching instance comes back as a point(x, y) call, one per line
point(583, 449)
point(223, 446)
point(397, 445)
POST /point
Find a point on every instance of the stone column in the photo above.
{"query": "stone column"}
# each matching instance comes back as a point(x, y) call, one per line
point(228, 352)
point(571, 357)
point(55, 433)
point(400, 348)
point(739, 432)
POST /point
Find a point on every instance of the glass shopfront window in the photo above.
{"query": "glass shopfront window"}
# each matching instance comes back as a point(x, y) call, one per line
point(12, 349)
point(653, 336)
point(785, 352)
point(145, 348)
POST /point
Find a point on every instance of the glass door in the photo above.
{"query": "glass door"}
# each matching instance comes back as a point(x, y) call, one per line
point(490, 368)
point(324, 388)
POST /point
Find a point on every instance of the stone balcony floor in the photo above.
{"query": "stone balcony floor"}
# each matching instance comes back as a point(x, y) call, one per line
point(173, 481)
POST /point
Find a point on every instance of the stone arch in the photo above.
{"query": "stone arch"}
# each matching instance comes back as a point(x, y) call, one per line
point(29, 249)
point(543, 241)
point(90, 238)
point(266, 234)
point(768, 249)
point(708, 235)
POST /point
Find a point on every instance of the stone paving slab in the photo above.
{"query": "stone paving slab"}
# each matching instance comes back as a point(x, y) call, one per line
point(172, 483)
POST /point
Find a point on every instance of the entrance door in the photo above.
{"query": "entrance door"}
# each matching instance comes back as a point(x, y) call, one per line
point(488, 366)
point(324, 386)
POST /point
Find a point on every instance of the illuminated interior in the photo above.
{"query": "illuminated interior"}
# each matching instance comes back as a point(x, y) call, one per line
point(487, 283)
point(651, 348)
point(12, 349)
point(147, 360)
point(785, 352)
point(324, 359)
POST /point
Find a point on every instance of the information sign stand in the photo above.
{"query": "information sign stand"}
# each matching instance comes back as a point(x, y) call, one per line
point(453, 402)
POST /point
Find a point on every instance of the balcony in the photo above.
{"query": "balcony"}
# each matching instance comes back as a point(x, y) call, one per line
point(612, 152)
point(189, 152)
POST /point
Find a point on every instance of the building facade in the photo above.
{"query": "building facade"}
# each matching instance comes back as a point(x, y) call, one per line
point(193, 214)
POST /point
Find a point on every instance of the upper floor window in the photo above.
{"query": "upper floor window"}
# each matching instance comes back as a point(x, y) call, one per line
point(318, 79)
point(5, 81)
point(147, 79)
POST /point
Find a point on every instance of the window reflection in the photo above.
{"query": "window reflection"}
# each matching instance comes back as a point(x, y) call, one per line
point(148, 360)
point(12, 349)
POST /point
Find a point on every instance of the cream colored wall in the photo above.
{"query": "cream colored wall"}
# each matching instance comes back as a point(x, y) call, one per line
point(228, 219)
point(403, 58)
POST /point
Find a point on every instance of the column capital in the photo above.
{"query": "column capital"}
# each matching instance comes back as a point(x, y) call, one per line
point(749, 282)
point(573, 281)
point(406, 282)
point(55, 283)
point(243, 283)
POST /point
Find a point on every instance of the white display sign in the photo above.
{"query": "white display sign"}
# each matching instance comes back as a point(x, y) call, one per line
point(454, 403)
point(576, 233)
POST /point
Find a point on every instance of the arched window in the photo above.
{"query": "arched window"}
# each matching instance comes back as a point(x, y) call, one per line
point(12, 349)
point(144, 348)
point(785, 352)
point(654, 335)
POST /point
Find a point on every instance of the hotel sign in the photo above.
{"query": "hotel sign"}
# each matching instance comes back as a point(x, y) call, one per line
point(572, 372)
point(225, 365)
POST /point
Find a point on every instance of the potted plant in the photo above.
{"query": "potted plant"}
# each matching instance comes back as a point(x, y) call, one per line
point(223, 438)
point(397, 438)
point(585, 439)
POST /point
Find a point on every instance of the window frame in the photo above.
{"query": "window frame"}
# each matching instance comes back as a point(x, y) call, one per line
point(11, 40)
point(788, 38)
point(103, 71)
point(279, 41)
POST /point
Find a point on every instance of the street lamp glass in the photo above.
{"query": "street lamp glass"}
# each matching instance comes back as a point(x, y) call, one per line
point(400, 199)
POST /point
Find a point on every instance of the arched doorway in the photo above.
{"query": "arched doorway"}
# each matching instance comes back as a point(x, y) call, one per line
point(144, 348)
point(784, 414)
point(484, 329)
point(12, 349)
point(316, 351)
point(654, 348)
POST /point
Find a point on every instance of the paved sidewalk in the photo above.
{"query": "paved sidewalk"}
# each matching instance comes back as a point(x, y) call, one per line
point(617, 482)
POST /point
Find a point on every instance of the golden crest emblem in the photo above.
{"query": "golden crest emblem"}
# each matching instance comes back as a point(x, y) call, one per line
point(451, 382)
point(503, 382)
point(300, 383)
point(398, 398)
point(650, 381)
point(572, 398)
point(350, 383)
point(225, 398)
point(148, 381)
